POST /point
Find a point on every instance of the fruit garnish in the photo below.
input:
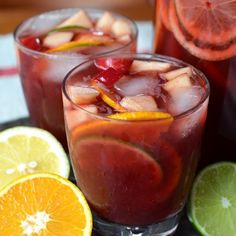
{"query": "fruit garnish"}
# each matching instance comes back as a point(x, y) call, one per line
point(32, 42)
point(212, 201)
point(205, 28)
point(120, 27)
point(139, 66)
point(109, 178)
point(26, 150)
point(57, 39)
point(122, 65)
point(139, 103)
point(108, 96)
point(82, 95)
point(44, 204)
point(108, 77)
point(140, 115)
point(81, 19)
point(105, 23)
point(175, 73)
point(68, 28)
point(83, 41)
point(181, 81)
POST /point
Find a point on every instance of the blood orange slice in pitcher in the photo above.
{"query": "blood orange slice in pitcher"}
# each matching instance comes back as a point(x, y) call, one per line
point(205, 28)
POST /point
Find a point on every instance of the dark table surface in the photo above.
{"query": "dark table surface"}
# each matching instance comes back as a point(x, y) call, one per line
point(185, 227)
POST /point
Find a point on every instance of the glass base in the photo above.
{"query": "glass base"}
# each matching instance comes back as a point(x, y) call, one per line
point(163, 228)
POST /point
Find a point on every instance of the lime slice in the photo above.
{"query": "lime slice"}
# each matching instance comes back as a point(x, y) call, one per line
point(212, 206)
point(68, 28)
point(26, 150)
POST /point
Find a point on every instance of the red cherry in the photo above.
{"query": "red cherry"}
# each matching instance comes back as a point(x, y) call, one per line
point(32, 43)
point(120, 64)
point(108, 77)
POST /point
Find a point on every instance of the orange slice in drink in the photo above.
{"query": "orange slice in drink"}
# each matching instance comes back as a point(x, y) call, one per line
point(115, 174)
point(205, 28)
point(44, 204)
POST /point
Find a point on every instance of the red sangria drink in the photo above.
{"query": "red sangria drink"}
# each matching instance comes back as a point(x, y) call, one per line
point(50, 44)
point(204, 34)
point(134, 124)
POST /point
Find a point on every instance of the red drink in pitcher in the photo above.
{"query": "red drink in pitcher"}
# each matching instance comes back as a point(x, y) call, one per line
point(134, 125)
point(203, 33)
point(51, 44)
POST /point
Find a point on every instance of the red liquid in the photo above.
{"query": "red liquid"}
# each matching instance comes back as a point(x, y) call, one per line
point(220, 136)
point(41, 76)
point(133, 172)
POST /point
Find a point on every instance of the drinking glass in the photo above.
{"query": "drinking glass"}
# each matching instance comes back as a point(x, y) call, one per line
point(42, 72)
point(135, 172)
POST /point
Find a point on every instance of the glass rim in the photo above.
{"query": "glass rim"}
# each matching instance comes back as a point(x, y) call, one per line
point(89, 10)
point(144, 56)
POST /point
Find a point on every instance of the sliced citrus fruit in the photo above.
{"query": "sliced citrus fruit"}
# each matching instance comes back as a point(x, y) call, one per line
point(205, 28)
point(115, 176)
point(141, 115)
point(26, 150)
point(44, 204)
point(68, 28)
point(212, 202)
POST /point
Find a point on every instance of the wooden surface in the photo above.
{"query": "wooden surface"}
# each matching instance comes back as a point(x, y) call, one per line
point(11, 15)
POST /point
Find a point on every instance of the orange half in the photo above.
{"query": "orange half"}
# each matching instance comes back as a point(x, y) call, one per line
point(44, 204)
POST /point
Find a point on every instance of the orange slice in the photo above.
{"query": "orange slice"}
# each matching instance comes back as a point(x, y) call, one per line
point(44, 204)
point(205, 28)
point(141, 115)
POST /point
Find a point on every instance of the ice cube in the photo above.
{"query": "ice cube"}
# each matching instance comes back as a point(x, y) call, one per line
point(138, 66)
point(56, 39)
point(139, 85)
point(105, 22)
point(183, 99)
point(82, 95)
point(120, 27)
point(81, 18)
point(139, 103)
point(175, 73)
point(182, 81)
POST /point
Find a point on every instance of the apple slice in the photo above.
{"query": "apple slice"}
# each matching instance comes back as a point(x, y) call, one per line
point(182, 81)
point(81, 18)
point(120, 27)
point(83, 95)
point(124, 39)
point(105, 22)
point(56, 39)
point(175, 73)
point(139, 103)
point(138, 66)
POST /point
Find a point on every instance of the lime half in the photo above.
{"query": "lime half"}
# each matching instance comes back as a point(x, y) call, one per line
point(212, 206)
point(25, 150)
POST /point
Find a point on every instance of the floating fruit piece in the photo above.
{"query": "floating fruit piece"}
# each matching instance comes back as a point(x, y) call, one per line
point(83, 41)
point(124, 39)
point(205, 28)
point(213, 194)
point(68, 28)
point(121, 27)
point(26, 150)
point(175, 73)
point(108, 77)
point(56, 39)
point(140, 115)
point(116, 173)
point(32, 42)
point(108, 97)
point(81, 18)
point(182, 81)
point(105, 22)
point(122, 65)
point(44, 204)
point(139, 103)
point(82, 95)
point(139, 66)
